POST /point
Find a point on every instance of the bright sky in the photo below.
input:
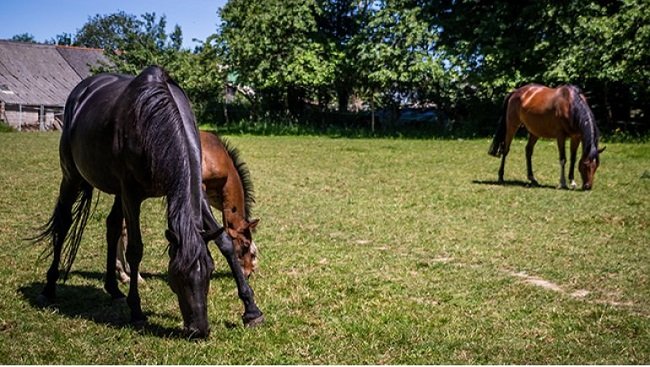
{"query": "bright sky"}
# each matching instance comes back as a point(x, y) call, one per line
point(44, 19)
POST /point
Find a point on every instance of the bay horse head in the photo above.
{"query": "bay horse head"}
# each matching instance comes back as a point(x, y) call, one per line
point(240, 230)
point(587, 168)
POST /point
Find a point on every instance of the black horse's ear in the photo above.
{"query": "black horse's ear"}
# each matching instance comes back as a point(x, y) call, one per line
point(171, 237)
point(212, 235)
point(601, 150)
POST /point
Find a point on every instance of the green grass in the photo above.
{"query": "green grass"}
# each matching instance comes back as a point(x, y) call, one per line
point(375, 251)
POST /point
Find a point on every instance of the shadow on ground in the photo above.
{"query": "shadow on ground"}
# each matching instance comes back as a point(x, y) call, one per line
point(94, 304)
point(513, 183)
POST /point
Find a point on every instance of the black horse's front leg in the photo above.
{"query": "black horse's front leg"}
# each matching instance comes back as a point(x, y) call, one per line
point(252, 315)
point(133, 257)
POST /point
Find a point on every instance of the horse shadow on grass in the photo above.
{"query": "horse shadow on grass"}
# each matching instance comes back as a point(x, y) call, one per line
point(94, 304)
point(519, 183)
point(95, 275)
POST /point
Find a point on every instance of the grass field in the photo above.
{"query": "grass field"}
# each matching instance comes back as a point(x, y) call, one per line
point(373, 251)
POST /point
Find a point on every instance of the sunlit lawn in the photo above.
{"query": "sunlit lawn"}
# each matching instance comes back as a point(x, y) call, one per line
point(372, 251)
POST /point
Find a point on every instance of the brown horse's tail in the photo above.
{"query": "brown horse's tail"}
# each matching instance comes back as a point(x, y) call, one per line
point(496, 148)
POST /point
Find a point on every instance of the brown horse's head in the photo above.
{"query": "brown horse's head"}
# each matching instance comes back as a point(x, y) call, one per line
point(241, 232)
point(588, 167)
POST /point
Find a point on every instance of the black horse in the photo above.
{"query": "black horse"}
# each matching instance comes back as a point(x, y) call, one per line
point(136, 138)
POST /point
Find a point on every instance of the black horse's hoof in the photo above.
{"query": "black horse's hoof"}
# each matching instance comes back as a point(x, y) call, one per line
point(43, 301)
point(139, 323)
point(256, 321)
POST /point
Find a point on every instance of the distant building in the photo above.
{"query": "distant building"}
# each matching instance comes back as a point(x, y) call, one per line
point(35, 81)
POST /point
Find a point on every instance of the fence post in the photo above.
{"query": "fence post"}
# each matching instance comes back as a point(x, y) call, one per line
point(41, 118)
point(20, 117)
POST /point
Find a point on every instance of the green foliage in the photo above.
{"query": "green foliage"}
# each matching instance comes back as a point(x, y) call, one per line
point(5, 128)
point(301, 56)
point(273, 46)
point(24, 37)
point(109, 32)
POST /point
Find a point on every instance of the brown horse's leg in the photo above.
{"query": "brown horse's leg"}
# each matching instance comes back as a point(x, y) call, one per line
point(122, 269)
point(113, 233)
point(562, 150)
point(575, 142)
point(530, 146)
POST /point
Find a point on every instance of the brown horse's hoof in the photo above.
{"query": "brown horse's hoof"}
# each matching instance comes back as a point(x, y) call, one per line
point(259, 320)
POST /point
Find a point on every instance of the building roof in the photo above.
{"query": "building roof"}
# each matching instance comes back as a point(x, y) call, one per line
point(36, 74)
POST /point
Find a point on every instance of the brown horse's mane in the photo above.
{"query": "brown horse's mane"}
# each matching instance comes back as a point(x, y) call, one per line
point(244, 175)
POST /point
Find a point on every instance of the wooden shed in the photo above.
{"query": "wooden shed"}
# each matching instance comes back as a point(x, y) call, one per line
point(35, 81)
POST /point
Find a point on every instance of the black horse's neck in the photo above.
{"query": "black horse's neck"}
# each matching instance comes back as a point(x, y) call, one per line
point(170, 136)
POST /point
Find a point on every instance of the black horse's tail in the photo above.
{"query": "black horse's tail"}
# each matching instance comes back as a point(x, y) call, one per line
point(65, 227)
point(496, 148)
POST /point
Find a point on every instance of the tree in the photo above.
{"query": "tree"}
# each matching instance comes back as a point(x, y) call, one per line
point(273, 46)
point(339, 23)
point(398, 61)
point(109, 32)
point(496, 46)
point(24, 37)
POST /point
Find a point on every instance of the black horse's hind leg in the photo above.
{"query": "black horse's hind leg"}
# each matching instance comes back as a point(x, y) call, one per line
point(113, 233)
point(131, 209)
point(575, 142)
point(562, 150)
point(530, 146)
point(58, 229)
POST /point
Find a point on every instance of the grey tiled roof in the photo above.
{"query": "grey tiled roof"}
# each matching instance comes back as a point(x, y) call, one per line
point(36, 74)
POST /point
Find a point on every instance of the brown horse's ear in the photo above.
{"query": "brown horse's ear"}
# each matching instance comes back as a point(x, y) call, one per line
point(252, 224)
point(172, 237)
point(601, 150)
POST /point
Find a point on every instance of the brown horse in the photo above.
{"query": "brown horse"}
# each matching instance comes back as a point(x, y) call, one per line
point(555, 113)
point(227, 182)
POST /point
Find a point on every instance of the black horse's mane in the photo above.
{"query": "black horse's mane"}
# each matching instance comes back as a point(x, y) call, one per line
point(166, 135)
point(584, 118)
point(244, 175)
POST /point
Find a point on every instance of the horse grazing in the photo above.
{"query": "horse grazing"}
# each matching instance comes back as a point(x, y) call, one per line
point(558, 113)
point(227, 182)
point(136, 138)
